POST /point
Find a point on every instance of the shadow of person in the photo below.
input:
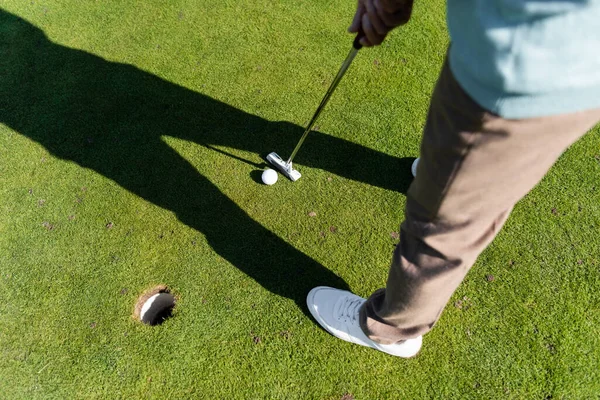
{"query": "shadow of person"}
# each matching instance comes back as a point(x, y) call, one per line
point(110, 118)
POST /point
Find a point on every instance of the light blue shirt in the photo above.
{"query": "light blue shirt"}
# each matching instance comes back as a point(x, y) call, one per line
point(527, 58)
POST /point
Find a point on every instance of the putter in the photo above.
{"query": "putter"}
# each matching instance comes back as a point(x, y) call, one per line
point(285, 167)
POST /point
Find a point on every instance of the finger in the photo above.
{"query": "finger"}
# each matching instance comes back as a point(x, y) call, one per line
point(376, 21)
point(373, 37)
point(355, 26)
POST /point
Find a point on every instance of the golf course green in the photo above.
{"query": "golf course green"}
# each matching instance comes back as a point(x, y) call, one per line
point(132, 141)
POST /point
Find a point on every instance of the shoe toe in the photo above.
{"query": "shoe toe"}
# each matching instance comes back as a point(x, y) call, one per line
point(319, 303)
point(323, 302)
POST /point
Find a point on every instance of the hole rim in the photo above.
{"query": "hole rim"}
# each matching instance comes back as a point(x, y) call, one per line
point(145, 296)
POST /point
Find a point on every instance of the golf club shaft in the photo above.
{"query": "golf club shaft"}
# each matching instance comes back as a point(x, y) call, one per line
point(334, 84)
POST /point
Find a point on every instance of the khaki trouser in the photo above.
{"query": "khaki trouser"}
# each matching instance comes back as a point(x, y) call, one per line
point(474, 167)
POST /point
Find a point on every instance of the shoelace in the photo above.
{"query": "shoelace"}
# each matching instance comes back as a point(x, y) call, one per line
point(348, 309)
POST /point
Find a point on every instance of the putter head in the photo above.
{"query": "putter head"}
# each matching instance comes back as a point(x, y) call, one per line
point(283, 167)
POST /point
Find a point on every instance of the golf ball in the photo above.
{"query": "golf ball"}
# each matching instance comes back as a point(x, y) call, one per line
point(414, 167)
point(269, 177)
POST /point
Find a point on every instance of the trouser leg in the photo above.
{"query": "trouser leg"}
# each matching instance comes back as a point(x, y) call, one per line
point(474, 168)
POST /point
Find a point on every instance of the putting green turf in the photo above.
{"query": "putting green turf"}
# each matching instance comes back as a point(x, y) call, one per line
point(131, 138)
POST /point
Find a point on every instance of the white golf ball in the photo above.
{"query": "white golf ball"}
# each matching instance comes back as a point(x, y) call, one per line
point(269, 176)
point(414, 167)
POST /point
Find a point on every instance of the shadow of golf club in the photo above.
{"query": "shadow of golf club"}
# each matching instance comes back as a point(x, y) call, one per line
point(110, 118)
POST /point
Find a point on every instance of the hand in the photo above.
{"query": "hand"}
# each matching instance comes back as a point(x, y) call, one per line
point(376, 18)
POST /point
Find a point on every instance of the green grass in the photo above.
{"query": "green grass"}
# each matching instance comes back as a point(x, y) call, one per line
point(131, 134)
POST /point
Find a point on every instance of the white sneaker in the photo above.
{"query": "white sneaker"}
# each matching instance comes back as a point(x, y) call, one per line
point(337, 311)
point(413, 168)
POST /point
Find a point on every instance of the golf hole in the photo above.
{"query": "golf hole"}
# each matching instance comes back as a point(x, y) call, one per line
point(155, 305)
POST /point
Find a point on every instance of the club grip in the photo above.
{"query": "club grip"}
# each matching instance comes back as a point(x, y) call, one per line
point(359, 36)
